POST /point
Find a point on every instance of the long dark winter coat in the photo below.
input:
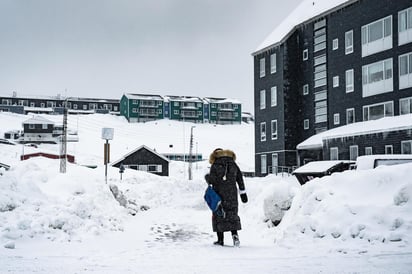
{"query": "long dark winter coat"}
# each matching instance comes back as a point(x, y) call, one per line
point(224, 174)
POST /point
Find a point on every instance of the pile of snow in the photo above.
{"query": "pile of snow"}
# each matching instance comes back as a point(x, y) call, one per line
point(372, 205)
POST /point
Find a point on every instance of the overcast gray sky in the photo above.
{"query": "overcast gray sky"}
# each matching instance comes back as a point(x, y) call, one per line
point(104, 48)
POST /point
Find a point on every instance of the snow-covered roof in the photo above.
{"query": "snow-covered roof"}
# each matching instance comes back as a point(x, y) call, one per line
point(137, 149)
point(143, 96)
point(361, 128)
point(221, 100)
point(38, 120)
point(368, 161)
point(183, 98)
point(307, 10)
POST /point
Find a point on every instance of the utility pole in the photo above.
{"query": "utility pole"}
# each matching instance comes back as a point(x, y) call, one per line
point(191, 152)
point(63, 142)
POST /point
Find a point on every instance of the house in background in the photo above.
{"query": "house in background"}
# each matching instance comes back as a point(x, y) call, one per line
point(185, 108)
point(38, 130)
point(318, 71)
point(145, 159)
point(223, 111)
point(141, 107)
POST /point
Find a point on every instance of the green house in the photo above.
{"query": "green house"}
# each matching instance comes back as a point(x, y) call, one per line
point(141, 107)
point(183, 108)
point(224, 111)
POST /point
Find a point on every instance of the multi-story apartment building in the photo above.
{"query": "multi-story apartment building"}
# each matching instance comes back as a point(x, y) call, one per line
point(54, 104)
point(329, 64)
point(143, 107)
point(223, 111)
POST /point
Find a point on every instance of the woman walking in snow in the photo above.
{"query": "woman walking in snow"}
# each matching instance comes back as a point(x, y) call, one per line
point(223, 176)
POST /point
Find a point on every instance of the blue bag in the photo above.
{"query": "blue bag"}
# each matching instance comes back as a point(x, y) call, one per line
point(214, 201)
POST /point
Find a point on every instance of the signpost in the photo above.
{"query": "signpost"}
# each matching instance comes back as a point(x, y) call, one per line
point(107, 134)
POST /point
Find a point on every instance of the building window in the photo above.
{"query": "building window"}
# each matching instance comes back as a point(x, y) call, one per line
point(273, 63)
point(405, 26)
point(335, 44)
point(377, 78)
point(262, 68)
point(263, 164)
point(318, 60)
point(84, 107)
point(305, 54)
point(319, 40)
point(275, 163)
point(405, 70)
point(306, 124)
point(31, 126)
point(377, 36)
point(319, 24)
point(368, 150)
point(349, 81)
point(405, 106)
point(263, 131)
point(334, 153)
point(44, 126)
point(335, 81)
point(74, 106)
point(353, 153)
point(377, 111)
point(262, 99)
point(320, 111)
point(406, 147)
point(388, 149)
point(320, 95)
point(273, 96)
point(336, 119)
point(320, 75)
point(274, 129)
point(350, 116)
point(349, 42)
point(306, 89)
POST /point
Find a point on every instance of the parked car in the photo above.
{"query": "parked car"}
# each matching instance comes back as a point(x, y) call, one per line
point(31, 145)
point(317, 169)
point(373, 161)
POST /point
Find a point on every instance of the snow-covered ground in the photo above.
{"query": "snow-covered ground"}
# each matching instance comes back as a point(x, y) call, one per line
point(350, 222)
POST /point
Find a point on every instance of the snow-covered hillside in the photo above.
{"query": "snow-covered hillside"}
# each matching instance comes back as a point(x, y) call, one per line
point(355, 221)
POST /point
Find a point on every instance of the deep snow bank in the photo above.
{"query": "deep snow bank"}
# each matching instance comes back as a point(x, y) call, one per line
point(373, 205)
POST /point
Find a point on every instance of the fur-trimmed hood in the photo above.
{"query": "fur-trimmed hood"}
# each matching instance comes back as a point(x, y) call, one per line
point(218, 153)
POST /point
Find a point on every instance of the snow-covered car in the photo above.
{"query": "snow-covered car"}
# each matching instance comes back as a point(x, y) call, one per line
point(317, 169)
point(373, 161)
point(7, 142)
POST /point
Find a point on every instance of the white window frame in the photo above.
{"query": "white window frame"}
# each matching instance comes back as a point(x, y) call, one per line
point(32, 126)
point(336, 119)
point(273, 63)
point(349, 42)
point(263, 164)
point(388, 149)
point(306, 124)
point(262, 99)
point(386, 109)
point(306, 89)
point(44, 126)
point(347, 115)
point(349, 80)
point(262, 69)
point(405, 79)
point(274, 129)
point(273, 96)
point(380, 44)
point(335, 81)
point(305, 54)
point(368, 151)
point(409, 142)
point(353, 152)
point(334, 153)
point(405, 26)
point(263, 130)
point(335, 44)
point(275, 159)
point(372, 87)
point(408, 103)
